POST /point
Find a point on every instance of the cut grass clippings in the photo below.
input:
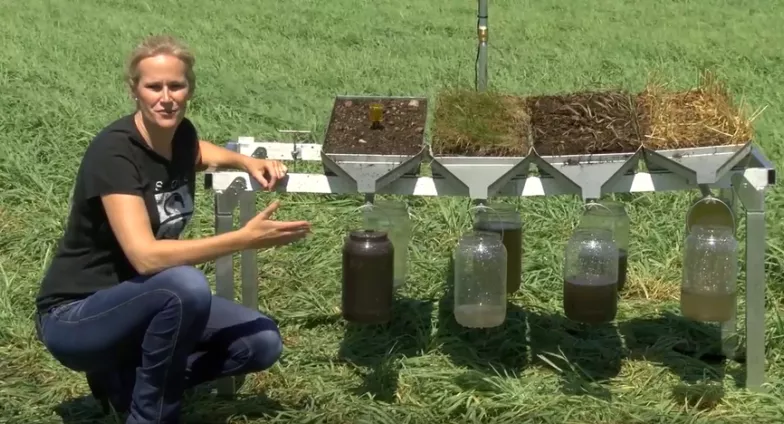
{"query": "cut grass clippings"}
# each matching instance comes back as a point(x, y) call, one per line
point(470, 123)
point(699, 117)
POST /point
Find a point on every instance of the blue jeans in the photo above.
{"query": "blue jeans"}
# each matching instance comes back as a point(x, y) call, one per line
point(169, 330)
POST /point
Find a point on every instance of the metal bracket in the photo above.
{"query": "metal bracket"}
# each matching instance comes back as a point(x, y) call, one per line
point(296, 152)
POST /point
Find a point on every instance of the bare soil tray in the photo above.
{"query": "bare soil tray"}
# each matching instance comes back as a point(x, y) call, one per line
point(480, 124)
point(351, 131)
point(704, 116)
point(586, 123)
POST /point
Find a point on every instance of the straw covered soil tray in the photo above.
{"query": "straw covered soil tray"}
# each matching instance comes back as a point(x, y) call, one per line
point(701, 117)
point(471, 123)
point(400, 130)
point(586, 123)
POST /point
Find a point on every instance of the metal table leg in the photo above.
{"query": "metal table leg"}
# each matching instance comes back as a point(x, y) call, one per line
point(753, 200)
point(248, 262)
point(729, 328)
point(225, 203)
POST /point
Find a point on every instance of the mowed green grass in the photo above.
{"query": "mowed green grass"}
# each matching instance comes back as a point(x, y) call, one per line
point(264, 66)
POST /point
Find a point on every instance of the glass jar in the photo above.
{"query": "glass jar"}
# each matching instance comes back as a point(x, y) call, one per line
point(711, 210)
point(504, 220)
point(611, 214)
point(710, 270)
point(392, 217)
point(590, 291)
point(368, 277)
point(480, 280)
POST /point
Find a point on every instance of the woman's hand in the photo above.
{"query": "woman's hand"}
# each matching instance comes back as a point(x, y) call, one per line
point(266, 172)
point(263, 232)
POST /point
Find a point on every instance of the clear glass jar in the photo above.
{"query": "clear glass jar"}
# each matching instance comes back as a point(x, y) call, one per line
point(590, 291)
point(392, 217)
point(611, 214)
point(504, 220)
point(710, 271)
point(480, 280)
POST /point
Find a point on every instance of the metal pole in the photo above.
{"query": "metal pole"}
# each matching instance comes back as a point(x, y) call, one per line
point(481, 54)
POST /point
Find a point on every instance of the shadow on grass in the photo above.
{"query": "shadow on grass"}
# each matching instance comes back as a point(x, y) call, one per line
point(200, 408)
point(584, 356)
point(690, 349)
point(381, 347)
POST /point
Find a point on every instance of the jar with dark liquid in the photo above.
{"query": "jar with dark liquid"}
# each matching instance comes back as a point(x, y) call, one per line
point(368, 277)
point(610, 214)
point(504, 220)
point(710, 270)
point(590, 292)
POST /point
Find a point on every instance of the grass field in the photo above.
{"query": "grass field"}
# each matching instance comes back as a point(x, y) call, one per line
point(264, 66)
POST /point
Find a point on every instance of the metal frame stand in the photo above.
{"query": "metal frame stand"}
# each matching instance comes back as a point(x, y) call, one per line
point(746, 183)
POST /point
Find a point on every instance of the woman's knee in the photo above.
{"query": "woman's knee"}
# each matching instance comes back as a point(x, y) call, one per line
point(264, 349)
point(188, 285)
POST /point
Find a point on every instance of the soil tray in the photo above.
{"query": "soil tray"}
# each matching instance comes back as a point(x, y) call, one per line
point(586, 123)
point(480, 124)
point(701, 117)
point(401, 132)
point(373, 141)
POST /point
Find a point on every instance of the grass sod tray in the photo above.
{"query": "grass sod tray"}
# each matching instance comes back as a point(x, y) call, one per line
point(585, 123)
point(480, 124)
point(401, 130)
point(703, 116)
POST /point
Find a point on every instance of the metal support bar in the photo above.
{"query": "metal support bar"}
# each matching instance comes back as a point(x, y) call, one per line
point(225, 204)
point(481, 53)
point(249, 271)
point(729, 328)
point(752, 196)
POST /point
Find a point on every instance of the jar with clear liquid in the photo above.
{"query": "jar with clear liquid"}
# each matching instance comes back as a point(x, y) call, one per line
point(710, 271)
point(611, 214)
point(392, 217)
point(590, 291)
point(480, 280)
point(368, 277)
point(504, 220)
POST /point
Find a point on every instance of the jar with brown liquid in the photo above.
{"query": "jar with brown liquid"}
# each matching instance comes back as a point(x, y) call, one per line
point(710, 270)
point(590, 291)
point(504, 220)
point(368, 277)
point(611, 214)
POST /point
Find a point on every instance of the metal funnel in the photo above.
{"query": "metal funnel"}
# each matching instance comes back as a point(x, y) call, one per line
point(699, 165)
point(479, 177)
point(589, 175)
point(371, 173)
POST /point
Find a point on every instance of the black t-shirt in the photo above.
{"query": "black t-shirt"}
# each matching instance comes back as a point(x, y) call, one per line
point(89, 257)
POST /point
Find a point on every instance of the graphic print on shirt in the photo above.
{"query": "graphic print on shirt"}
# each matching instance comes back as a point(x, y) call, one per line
point(175, 208)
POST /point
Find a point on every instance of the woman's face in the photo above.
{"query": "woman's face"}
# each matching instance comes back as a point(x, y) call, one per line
point(163, 91)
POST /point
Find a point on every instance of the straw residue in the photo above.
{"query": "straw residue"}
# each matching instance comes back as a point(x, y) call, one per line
point(700, 117)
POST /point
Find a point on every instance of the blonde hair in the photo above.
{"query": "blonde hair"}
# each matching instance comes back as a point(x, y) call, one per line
point(155, 45)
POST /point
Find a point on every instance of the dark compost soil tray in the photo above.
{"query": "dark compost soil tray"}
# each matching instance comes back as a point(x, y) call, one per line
point(401, 132)
point(480, 124)
point(586, 123)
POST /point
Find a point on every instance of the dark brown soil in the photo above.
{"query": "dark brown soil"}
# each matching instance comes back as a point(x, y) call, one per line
point(586, 123)
point(402, 130)
point(471, 123)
